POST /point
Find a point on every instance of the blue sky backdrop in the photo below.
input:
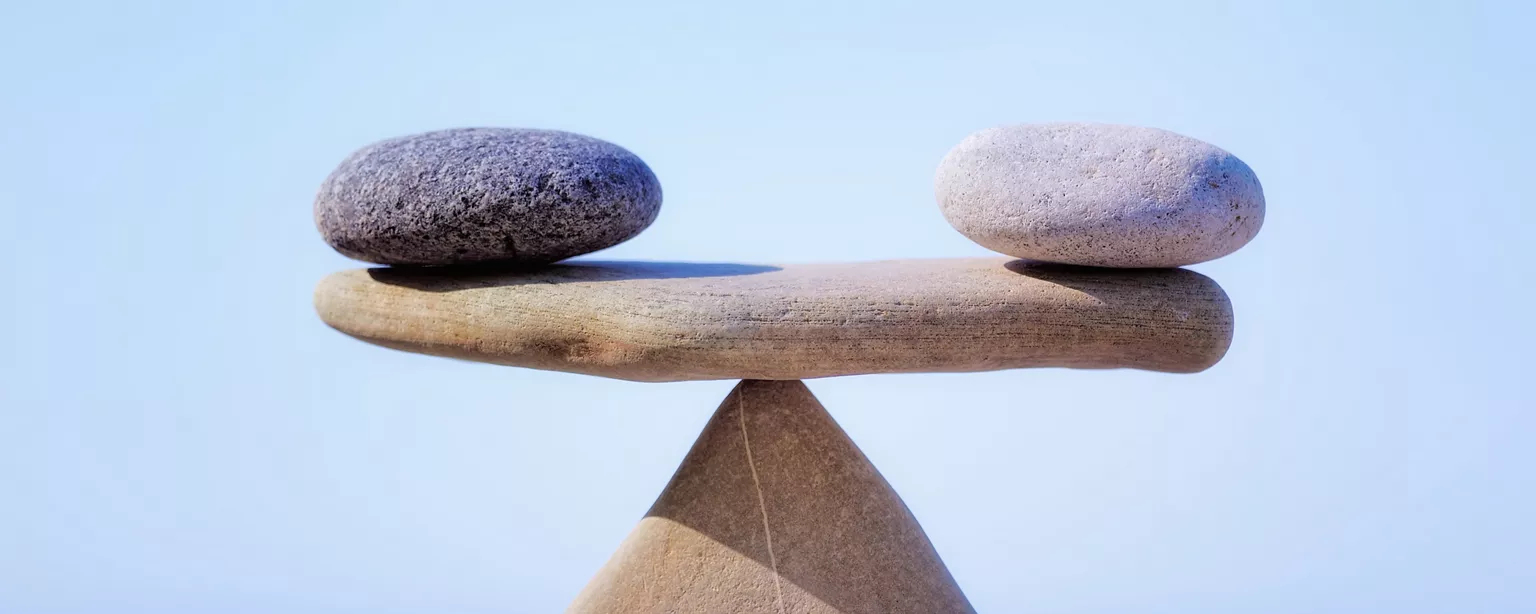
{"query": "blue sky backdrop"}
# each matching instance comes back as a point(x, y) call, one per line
point(180, 433)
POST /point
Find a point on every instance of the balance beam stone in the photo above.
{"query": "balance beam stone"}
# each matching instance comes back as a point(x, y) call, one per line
point(650, 321)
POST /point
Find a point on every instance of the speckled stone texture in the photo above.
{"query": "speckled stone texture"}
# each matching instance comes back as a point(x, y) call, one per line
point(485, 194)
point(650, 321)
point(1099, 195)
point(775, 510)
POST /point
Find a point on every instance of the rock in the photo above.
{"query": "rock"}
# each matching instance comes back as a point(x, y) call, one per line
point(485, 194)
point(1099, 195)
point(670, 322)
point(775, 510)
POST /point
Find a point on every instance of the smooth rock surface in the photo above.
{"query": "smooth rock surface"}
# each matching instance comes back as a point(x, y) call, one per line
point(1099, 195)
point(485, 194)
point(651, 321)
point(775, 510)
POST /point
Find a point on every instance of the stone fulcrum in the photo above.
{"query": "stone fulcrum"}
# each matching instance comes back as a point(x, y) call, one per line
point(485, 194)
point(667, 322)
point(1099, 195)
point(775, 510)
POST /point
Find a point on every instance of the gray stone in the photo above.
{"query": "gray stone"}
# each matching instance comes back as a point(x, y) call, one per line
point(485, 194)
point(775, 510)
point(649, 321)
point(1099, 195)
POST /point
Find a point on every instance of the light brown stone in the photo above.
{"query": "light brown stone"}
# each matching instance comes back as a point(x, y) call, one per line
point(650, 321)
point(775, 510)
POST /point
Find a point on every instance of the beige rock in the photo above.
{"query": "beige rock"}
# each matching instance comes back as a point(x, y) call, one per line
point(1099, 195)
point(775, 510)
point(649, 321)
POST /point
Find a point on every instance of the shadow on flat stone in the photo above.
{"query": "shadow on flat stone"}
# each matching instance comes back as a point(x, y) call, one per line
point(775, 510)
point(493, 275)
point(1116, 286)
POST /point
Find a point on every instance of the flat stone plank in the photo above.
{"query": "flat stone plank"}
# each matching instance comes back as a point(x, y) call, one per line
point(652, 321)
point(775, 510)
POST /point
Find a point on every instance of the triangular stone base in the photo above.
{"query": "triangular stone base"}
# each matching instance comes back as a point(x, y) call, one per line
point(775, 510)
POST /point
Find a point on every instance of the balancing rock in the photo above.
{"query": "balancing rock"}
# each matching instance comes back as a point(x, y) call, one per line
point(648, 321)
point(485, 194)
point(1099, 195)
point(775, 510)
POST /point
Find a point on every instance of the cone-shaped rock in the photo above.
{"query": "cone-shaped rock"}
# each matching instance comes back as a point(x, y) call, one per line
point(775, 510)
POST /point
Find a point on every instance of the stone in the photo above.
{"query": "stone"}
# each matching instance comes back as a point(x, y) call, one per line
point(648, 321)
point(1099, 195)
point(775, 510)
point(485, 194)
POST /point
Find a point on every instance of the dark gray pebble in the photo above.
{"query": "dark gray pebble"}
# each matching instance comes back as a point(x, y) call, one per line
point(485, 194)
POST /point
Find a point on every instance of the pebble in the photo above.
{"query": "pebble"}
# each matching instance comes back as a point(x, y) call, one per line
point(1099, 195)
point(468, 195)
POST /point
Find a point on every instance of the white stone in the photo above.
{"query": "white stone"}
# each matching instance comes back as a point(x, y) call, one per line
point(1099, 195)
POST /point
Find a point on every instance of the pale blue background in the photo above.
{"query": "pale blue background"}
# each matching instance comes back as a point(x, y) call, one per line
point(180, 434)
